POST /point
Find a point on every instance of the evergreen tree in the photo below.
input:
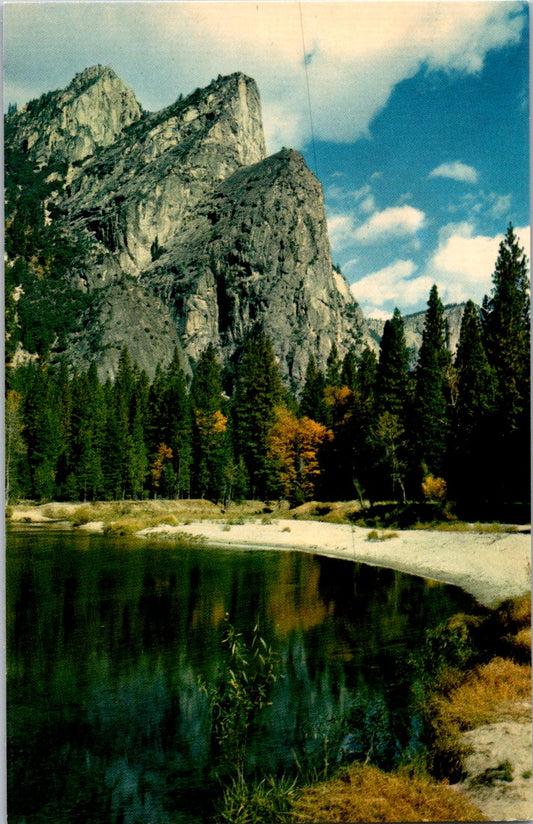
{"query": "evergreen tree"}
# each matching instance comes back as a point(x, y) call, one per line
point(210, 439)
point(507, 341)
point(313, 401)
point(86, 479)
point(349, 371)
point(62, 401)
point(333, 367)
point(470, 455)
point(42, 433)
point(392, 375)
point(475, 380)
point(118, 435)
point(431, 398)
point(257, 394)
point(178, 432)
point(138, 457)
point(15, 446)
point(367, 377)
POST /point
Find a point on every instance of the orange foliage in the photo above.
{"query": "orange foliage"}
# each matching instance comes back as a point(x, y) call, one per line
point(339, 400)
point(434, 488)
point(294, 445)
point(164, 453)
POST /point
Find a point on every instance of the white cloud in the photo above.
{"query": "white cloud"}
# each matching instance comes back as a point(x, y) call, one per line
point(462, 267)
point(456, 171)
point(396, 221)
point(390, 286)
point(341, 229)
point(360, 51)
point(463, 263)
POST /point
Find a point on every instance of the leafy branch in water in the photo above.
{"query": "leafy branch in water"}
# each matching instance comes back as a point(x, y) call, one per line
point(243, 690)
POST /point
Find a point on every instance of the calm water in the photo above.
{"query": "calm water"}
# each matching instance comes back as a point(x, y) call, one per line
point(107, 639)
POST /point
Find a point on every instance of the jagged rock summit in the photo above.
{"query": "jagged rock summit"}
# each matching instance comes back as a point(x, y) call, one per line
point(193, 234)
point(72, 124)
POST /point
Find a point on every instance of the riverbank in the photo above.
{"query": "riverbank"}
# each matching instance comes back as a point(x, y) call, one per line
point(491, 563)
point(491, 566)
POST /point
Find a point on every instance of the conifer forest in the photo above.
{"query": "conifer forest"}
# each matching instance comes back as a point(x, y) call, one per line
point(454, 430)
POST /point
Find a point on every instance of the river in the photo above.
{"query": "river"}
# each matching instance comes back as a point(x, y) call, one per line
point(108, 640)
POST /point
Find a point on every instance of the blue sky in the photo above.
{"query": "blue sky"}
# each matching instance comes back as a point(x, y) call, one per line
point(418, 123)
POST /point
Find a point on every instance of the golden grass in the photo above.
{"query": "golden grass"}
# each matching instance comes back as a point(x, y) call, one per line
point(516, 611)
point(499, 689)
point(144, 513)
point(463, 526)
point(365, 793)
point(333, 512)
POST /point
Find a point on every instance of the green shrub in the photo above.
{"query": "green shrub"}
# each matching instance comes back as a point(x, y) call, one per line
point(268, 801)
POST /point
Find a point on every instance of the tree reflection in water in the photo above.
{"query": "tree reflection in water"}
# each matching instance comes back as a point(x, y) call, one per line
point(107, 641)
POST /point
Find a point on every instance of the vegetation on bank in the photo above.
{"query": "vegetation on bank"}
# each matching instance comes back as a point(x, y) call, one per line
point(472, 670)
point(366, 429)
point(129, 516)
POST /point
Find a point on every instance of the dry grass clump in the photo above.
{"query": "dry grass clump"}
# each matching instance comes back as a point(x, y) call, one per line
point(130, 523)
point(462, 526)
point(496, 690)
point(365, 793)
point(337, 512)
point(516, 611)
point(374, 535)
point(246, 509)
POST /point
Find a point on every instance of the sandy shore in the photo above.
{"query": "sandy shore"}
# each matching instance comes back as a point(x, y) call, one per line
point(490, 566)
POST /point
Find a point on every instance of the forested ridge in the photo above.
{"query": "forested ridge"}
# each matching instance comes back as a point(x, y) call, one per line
point(454, 431)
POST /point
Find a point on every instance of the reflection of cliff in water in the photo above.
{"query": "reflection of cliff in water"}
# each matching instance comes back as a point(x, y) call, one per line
point(107, 639)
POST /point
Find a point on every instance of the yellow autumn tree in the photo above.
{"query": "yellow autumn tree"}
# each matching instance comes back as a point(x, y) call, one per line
point(434, 489)
point(294, 447)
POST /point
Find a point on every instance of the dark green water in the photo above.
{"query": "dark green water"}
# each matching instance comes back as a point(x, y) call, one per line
point(107, 638)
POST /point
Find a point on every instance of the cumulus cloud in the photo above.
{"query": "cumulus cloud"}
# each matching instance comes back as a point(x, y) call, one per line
point(341, 229)
point(390, 286)
point(396, 221)
point(456, 171)
point(360, 52)
point(463, 263)
point(462, 267)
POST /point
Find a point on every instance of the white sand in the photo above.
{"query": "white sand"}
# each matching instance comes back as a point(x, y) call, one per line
point(490, 566)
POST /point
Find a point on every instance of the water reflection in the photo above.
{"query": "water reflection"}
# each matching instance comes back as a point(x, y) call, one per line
point(108, 638)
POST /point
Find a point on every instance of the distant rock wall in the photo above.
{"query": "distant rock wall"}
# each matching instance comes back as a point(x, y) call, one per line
point(414, 328)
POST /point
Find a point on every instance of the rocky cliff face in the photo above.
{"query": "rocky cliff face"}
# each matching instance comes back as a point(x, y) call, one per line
point(194, 235)
point(257, 251)
point(140, 190)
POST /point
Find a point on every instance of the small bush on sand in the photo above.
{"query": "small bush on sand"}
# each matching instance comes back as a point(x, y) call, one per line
point(374, 535)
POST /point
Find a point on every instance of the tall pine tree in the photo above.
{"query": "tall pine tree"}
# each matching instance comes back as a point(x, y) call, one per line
point(431, 393)
point(211, 446)
point(507, 340)
point(313, 402)
point(393, 376)
point(257, 394)
point(472, 412)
